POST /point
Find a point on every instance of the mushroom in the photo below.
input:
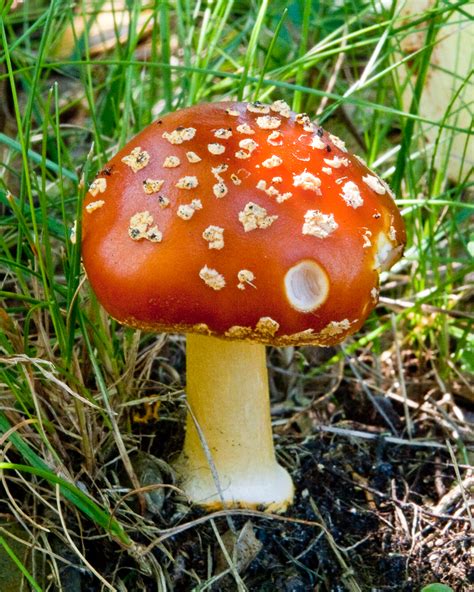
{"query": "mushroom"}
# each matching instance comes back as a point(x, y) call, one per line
point(267, 231)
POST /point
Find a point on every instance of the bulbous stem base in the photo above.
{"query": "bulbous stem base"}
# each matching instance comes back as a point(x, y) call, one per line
point(228, 459)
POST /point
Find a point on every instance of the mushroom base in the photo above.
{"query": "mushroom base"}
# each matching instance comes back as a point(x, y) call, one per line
point(228, 458)
point(270, 491)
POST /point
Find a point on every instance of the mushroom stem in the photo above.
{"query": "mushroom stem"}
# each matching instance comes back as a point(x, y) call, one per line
point(228, 398)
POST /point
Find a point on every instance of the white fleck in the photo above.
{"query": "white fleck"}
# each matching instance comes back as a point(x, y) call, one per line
point(180, 135)
point(220, 189)
point(277, 180)
point(153, 234)
point(307, 181)
point(374, 293)
point(384, 253)
point(340, 180)
point(302, 119)
point(223, 133)
point(235, 179)
point(98, 186)
point(392, 233)
point(140, 227)
point(214, 235)
point(336, 162)
point(242, 154)
point(318, 224)
point(268, 122)
point(273, 191)
point(275, 139)
point(299, 338)
point(327, 170)
point(302, 158)
point(338, 142)
point(193, 157)
point(221, 168)
point(283, 196)
point(140, 222)
point(351, 195)
point(94, 205)
point(281, 107)
point(245, 276)
point(212, 278)
point(244, 128)
point(254, 216)
point(171, 162)
point(266, 326)
point(258, 107)
point(137, 159)
point(336, 328)
point(272, 162)
point(366, 238)
point(248, 144)
point(232, 112)
point(316, 142)
point(202, 328)
point(375, 184)
point(216, 148)
point(163, 202)
point(152, 185)
point(188, 182)
point(239, 332)
point(186, 211)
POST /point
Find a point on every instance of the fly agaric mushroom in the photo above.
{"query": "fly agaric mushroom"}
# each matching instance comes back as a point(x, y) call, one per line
point(241, 225)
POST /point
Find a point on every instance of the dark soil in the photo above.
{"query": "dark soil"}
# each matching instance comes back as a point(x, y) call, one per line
point(369, 499)
point(367, 513)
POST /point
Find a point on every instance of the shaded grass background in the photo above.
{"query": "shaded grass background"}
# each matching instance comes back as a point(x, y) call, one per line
point(72, 382)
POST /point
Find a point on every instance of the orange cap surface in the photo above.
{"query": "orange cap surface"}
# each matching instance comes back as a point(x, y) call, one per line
point(242, 221)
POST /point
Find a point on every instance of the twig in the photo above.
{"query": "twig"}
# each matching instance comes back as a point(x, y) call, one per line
point(460, 483)
point(173, 531)
point(453, 495)
point(335, 73)
point(408, 422)
point(398, 304)
point(367, 391)
point(391, 439)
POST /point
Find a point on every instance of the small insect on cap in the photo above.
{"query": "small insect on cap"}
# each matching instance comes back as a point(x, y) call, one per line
point(240, 220)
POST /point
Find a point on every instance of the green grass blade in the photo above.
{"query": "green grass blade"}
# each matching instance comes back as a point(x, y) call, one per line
point(26, 574)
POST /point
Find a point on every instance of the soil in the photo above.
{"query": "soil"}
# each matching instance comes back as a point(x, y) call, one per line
point(370, 500)
point(372, 511)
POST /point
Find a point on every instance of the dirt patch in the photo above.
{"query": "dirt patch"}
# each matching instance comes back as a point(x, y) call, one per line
point(361, 518)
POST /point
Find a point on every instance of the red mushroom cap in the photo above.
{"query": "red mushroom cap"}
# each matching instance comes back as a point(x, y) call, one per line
point(242, 221)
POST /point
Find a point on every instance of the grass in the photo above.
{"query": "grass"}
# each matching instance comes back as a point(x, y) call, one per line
point(72, 381)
